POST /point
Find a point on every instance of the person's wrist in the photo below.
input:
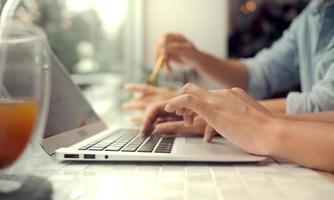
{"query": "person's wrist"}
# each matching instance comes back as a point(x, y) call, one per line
point(267, 132)
point(199, 59)
point(275, 131)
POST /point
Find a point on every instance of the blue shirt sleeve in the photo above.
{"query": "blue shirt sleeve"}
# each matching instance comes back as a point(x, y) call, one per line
point(276, 69)
point(320, 98)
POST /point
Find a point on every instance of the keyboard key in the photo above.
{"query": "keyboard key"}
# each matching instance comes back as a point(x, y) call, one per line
point(145, 150)
point(166, 145)
point(104, 142)
point(129, 149)
point(96, 149)
point(113, 148)
point(162, 151)
point(121, 142)
point(113, 142)
point(87, 146)
point(133, 146)
point(84, 147)
point(150, 144)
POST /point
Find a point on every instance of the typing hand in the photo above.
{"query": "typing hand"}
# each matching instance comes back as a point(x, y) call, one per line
point(232, 113)
point(180, 128)
point(157, 120)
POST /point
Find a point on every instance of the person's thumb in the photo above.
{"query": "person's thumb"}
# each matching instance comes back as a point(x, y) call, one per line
point(209, 133)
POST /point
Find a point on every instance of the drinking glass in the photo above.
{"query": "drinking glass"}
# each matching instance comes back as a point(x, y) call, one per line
point(24, 95)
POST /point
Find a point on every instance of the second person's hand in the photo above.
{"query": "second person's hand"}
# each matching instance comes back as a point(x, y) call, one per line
point(145, 94)
point(177, 48)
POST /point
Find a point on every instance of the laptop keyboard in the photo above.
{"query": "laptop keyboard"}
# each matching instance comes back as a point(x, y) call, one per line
point(130, 141)
point(134, 145)
point(99, 145)
point(149, 144)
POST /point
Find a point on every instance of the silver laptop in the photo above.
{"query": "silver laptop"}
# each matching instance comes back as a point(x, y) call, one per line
point(75, 132)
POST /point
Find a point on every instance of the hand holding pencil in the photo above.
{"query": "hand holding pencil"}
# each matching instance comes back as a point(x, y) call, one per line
point(156, 69)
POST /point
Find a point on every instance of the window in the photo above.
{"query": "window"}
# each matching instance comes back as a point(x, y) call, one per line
point(88, 36)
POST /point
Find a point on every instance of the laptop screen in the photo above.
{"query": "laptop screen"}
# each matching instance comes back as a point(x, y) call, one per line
point(68, 109)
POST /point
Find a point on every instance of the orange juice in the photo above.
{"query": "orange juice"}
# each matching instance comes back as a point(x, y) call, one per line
point(17, 119)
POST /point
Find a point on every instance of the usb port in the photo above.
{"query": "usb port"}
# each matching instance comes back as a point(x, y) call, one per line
point(71, 156)
point(89, 156)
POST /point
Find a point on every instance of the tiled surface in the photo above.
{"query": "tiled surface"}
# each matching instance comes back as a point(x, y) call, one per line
point(268, 180)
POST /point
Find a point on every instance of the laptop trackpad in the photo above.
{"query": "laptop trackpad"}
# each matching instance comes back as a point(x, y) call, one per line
point(196, 146)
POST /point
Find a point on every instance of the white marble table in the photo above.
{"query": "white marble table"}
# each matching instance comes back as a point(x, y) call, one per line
point(267, 180)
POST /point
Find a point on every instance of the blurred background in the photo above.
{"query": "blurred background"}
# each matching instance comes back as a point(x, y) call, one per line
point(113, 41)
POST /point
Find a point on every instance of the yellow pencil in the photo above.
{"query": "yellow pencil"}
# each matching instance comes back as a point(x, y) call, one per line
point(154, 74)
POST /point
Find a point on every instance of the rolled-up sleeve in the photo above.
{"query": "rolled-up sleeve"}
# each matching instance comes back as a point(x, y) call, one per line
point(320, 98)
point(276, 69)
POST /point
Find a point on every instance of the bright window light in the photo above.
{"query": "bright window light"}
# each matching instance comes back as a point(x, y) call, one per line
point(111, 12)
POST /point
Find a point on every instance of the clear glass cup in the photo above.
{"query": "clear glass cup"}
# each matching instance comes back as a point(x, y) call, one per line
point(24, 95)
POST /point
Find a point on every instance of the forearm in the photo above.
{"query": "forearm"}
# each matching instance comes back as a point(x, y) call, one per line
point(229, 72)
point(278, 106)
point(310, 144)
point(274, 105)
point(316, 117)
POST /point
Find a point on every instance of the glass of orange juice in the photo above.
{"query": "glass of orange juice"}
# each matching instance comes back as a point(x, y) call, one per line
point(24, 92)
